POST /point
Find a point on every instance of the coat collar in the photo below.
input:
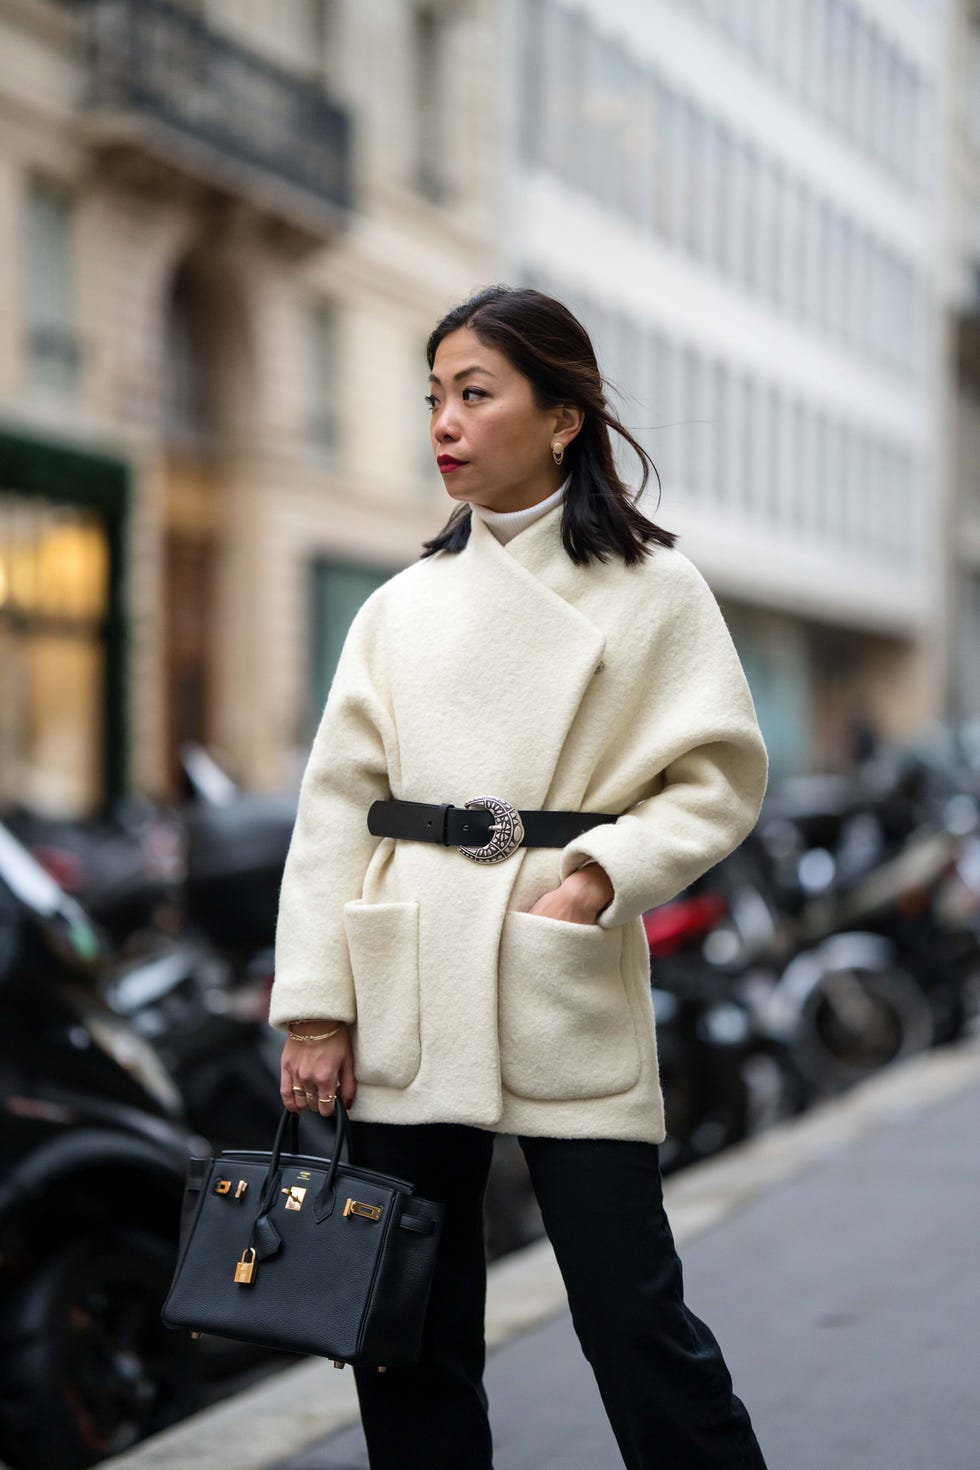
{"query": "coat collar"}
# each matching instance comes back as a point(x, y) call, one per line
point(519, 646)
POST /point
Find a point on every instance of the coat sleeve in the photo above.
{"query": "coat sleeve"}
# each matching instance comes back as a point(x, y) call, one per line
point(330, 848)
point(702, 761)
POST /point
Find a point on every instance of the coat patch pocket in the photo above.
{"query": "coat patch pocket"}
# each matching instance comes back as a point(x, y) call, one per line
point(383, 939)
point(566, 1023)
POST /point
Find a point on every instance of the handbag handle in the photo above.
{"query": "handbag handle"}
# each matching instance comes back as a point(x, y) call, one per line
point(287, 1134)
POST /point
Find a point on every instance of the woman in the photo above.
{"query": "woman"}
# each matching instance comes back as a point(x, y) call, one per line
point(468, 971)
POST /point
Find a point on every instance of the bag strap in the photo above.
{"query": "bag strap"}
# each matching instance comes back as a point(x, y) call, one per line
point(324, 1202)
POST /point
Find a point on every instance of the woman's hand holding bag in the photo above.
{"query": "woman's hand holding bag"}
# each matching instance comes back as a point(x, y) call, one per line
point(314, 1071)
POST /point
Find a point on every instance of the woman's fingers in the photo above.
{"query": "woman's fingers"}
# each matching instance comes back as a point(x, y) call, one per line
point(312, 1076)
point(347, 1082)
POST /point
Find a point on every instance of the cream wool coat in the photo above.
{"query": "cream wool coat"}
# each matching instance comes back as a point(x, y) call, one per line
point(507, 670)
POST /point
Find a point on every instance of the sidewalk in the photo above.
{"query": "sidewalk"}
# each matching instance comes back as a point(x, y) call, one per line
point(835, 1259)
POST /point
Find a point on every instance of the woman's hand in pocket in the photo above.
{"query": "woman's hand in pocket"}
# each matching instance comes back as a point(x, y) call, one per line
point(580, 898)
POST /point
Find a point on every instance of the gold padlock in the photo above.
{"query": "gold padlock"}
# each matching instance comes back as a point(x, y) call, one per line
point(244, 1269)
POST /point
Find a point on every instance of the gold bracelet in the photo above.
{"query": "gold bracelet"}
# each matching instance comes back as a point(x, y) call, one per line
point(321, 1036)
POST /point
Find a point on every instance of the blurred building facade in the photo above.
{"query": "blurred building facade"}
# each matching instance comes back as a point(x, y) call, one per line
point(745, 201)
point(228, 227)
point(963, 431)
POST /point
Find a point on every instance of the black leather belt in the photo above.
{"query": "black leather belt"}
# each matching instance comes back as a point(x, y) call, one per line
point(486, 829)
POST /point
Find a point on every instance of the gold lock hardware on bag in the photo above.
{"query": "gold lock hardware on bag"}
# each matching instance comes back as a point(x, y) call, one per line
point(358, 1207)
point(294, 1197)
point(222, 1186)
point(244, 1270)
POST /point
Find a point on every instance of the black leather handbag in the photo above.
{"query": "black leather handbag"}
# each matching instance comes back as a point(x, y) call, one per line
point(307, 1254)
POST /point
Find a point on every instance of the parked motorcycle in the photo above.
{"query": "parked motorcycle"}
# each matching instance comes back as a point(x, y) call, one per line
point(92, 1162)
point(725, 1074)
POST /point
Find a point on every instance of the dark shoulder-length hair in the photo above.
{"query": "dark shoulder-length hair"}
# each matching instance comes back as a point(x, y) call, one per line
point(542, 339)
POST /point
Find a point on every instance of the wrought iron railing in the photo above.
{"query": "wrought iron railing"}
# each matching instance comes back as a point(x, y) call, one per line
point(163, 62)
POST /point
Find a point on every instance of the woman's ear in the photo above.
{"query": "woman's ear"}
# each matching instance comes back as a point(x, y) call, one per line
point(568, 422)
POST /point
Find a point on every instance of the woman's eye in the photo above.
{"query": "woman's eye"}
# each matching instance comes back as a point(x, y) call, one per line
point(430, 399)
point(478, 391)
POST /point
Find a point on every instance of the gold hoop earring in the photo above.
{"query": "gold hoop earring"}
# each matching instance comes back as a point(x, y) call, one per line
point(558, 451)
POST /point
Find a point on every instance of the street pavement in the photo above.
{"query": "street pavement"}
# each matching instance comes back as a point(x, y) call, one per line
point(835, 1258)
point(847, 1303)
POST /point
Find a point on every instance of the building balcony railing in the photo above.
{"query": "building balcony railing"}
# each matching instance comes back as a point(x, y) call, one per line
point(164, 83)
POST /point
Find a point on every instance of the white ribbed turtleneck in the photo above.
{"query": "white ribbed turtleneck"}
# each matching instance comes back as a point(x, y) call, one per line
point(506, 523)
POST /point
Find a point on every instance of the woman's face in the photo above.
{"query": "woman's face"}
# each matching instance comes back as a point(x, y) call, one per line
point(491, 441)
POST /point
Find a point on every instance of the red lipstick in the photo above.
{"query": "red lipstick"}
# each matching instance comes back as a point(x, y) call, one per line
point(446, 463)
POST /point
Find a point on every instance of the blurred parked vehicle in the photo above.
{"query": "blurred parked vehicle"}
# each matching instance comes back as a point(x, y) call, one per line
point(725, 1074)
point(92, 1161)
point(846, 928)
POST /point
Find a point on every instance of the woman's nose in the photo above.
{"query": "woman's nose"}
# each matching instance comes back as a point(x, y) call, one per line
point(445, 425)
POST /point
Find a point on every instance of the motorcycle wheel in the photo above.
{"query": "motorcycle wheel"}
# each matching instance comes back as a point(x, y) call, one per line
point(88, 1368)
point(704, 1112)
point(859, 1020)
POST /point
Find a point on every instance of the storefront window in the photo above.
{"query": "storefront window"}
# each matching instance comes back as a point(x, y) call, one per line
point(53, 609)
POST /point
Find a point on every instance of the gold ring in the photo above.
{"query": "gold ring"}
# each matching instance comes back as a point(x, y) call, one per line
point(329, 1097)
point(300, 1089)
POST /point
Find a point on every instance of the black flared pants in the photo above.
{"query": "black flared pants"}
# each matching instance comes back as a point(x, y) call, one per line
point(659, 1369)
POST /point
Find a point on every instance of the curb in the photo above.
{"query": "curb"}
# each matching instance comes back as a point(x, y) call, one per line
point(297, 1406)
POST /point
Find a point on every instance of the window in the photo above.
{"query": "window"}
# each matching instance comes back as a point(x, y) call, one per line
point(763, 213)
point(840, 37)
point(638, 145)
point(864, 493)
point(556, 78)
point(698, 430)
point(319, 25)
point(52, 345)
point(863, 285)
point(811, 77)
point(532, 91)
point(847, 518)
point(798, 497)
point(725, 250)
point(792, 58)
point(685, 404)
point(709, 203)
point(822, 509)
point(712, 389)
point(54, 654)
point(848, 283)
point(740, 236)
point(428, 40)
point(325, 376)
point(768, 452)
point(836, 266)
point(679, 177)
point(785, 459)
point(731, 480)
point(736, 437)
point(338, 590)
point(660, 160)
point(656, 402)
point(971, 86)
point(861, 96)
point(878, 100)
point(694, 205)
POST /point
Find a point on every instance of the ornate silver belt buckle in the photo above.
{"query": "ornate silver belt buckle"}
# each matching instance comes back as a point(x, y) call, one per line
point(507, 829)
